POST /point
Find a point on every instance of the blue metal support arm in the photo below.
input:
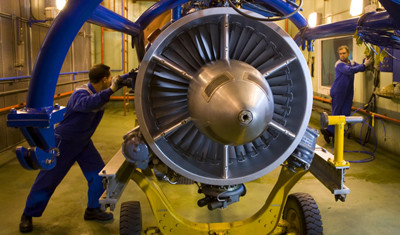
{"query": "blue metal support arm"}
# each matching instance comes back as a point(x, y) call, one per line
point(156, 10)
point(285, 8)
point(378, 20)
point(109, 19)
point(37, 120)
point(177, 13)
point(393, 7)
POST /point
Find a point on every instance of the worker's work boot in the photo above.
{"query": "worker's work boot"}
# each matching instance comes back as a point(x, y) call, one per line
point(327, 135)
point(26, 224)
point(97, 214)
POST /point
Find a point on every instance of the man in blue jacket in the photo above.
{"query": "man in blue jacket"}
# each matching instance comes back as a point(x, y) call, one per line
point(84, 111)
point(342, 90)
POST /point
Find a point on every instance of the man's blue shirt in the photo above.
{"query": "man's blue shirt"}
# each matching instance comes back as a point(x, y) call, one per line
point(344, 77)
point(83, 114)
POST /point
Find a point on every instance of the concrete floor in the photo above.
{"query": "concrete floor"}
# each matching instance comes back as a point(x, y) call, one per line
point(372, 207)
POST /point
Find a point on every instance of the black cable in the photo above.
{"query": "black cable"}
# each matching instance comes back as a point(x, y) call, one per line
point(371, 106)
point(267, 18)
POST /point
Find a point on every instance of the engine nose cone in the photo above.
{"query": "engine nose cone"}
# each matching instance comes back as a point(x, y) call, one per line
point(230, 102)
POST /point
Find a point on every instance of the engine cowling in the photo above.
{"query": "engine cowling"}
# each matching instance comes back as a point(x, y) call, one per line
point(222, 99)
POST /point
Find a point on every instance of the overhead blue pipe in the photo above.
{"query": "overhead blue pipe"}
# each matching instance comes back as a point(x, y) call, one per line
point(176, 13)
point(156, 10)
point(109, 19)
point(377, 20)
point(14, 78)
point(258, 9)
point(54, 49)
point(393, 7)
point(24, 77)
point(286, 8)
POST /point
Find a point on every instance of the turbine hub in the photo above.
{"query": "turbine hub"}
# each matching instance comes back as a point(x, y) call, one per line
point(230, 102)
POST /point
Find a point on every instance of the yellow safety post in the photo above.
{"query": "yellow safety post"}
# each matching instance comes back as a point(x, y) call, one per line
point(339, 122)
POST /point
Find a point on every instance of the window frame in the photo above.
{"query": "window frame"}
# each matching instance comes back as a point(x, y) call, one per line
point(326, 89)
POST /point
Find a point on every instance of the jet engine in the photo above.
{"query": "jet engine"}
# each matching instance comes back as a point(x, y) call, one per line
point(222, 99)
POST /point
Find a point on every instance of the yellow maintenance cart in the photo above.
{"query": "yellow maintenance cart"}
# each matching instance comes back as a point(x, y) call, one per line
point(281, 214)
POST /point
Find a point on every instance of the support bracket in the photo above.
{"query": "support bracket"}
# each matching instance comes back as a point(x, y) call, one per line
point(37, 126)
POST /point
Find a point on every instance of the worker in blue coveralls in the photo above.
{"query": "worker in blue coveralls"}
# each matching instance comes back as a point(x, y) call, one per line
point(84, 111)
point(342, 90)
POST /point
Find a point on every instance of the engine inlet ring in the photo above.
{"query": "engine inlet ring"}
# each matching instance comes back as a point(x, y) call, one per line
point(172, 63)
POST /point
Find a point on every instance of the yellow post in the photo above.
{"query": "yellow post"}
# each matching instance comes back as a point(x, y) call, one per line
point(339, 122)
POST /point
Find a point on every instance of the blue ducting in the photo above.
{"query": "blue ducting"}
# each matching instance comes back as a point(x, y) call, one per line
point(393, 7)
point(109, 19)
point(286, 8)
point(54, 49)
point(37, 120)
point(176, 13)
point(377, 20)
point(156, 10)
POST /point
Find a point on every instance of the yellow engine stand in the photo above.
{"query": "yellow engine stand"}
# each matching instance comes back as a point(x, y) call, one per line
point(339, 122)
point(265, 221)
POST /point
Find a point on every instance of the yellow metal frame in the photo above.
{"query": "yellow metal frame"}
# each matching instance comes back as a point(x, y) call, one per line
point(266, 221)
point(339, 122)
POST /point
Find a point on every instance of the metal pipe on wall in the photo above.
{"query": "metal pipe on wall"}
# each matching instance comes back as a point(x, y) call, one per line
point(6, 109)
point(23, 77)
point(397, 121)
point(26, 89)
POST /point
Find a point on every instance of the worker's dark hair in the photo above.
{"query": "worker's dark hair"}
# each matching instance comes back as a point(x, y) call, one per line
point(344, 47)
point(98, 72)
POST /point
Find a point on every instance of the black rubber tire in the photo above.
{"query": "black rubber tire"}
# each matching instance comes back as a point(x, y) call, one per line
point(302, 212)
point(130, 222)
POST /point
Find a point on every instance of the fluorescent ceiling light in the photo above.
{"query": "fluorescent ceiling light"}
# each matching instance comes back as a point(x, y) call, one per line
point(312, 19)
point(356, 7)
point(60, 4)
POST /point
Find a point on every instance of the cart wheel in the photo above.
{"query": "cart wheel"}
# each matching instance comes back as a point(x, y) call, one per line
point(130, 222)
point(302, 213)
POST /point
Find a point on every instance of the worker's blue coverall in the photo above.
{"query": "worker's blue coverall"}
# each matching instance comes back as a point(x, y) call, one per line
point(342, 90)
point(84, 111)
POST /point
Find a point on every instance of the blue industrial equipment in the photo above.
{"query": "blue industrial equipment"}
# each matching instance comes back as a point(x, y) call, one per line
point(38, 118)
point(37, 126)
point(375, 20)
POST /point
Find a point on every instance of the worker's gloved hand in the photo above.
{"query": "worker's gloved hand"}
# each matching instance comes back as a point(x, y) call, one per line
point(132, 73)
point(116, 83)
point(368, 61)
point(129, 79)
point(129, 82)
